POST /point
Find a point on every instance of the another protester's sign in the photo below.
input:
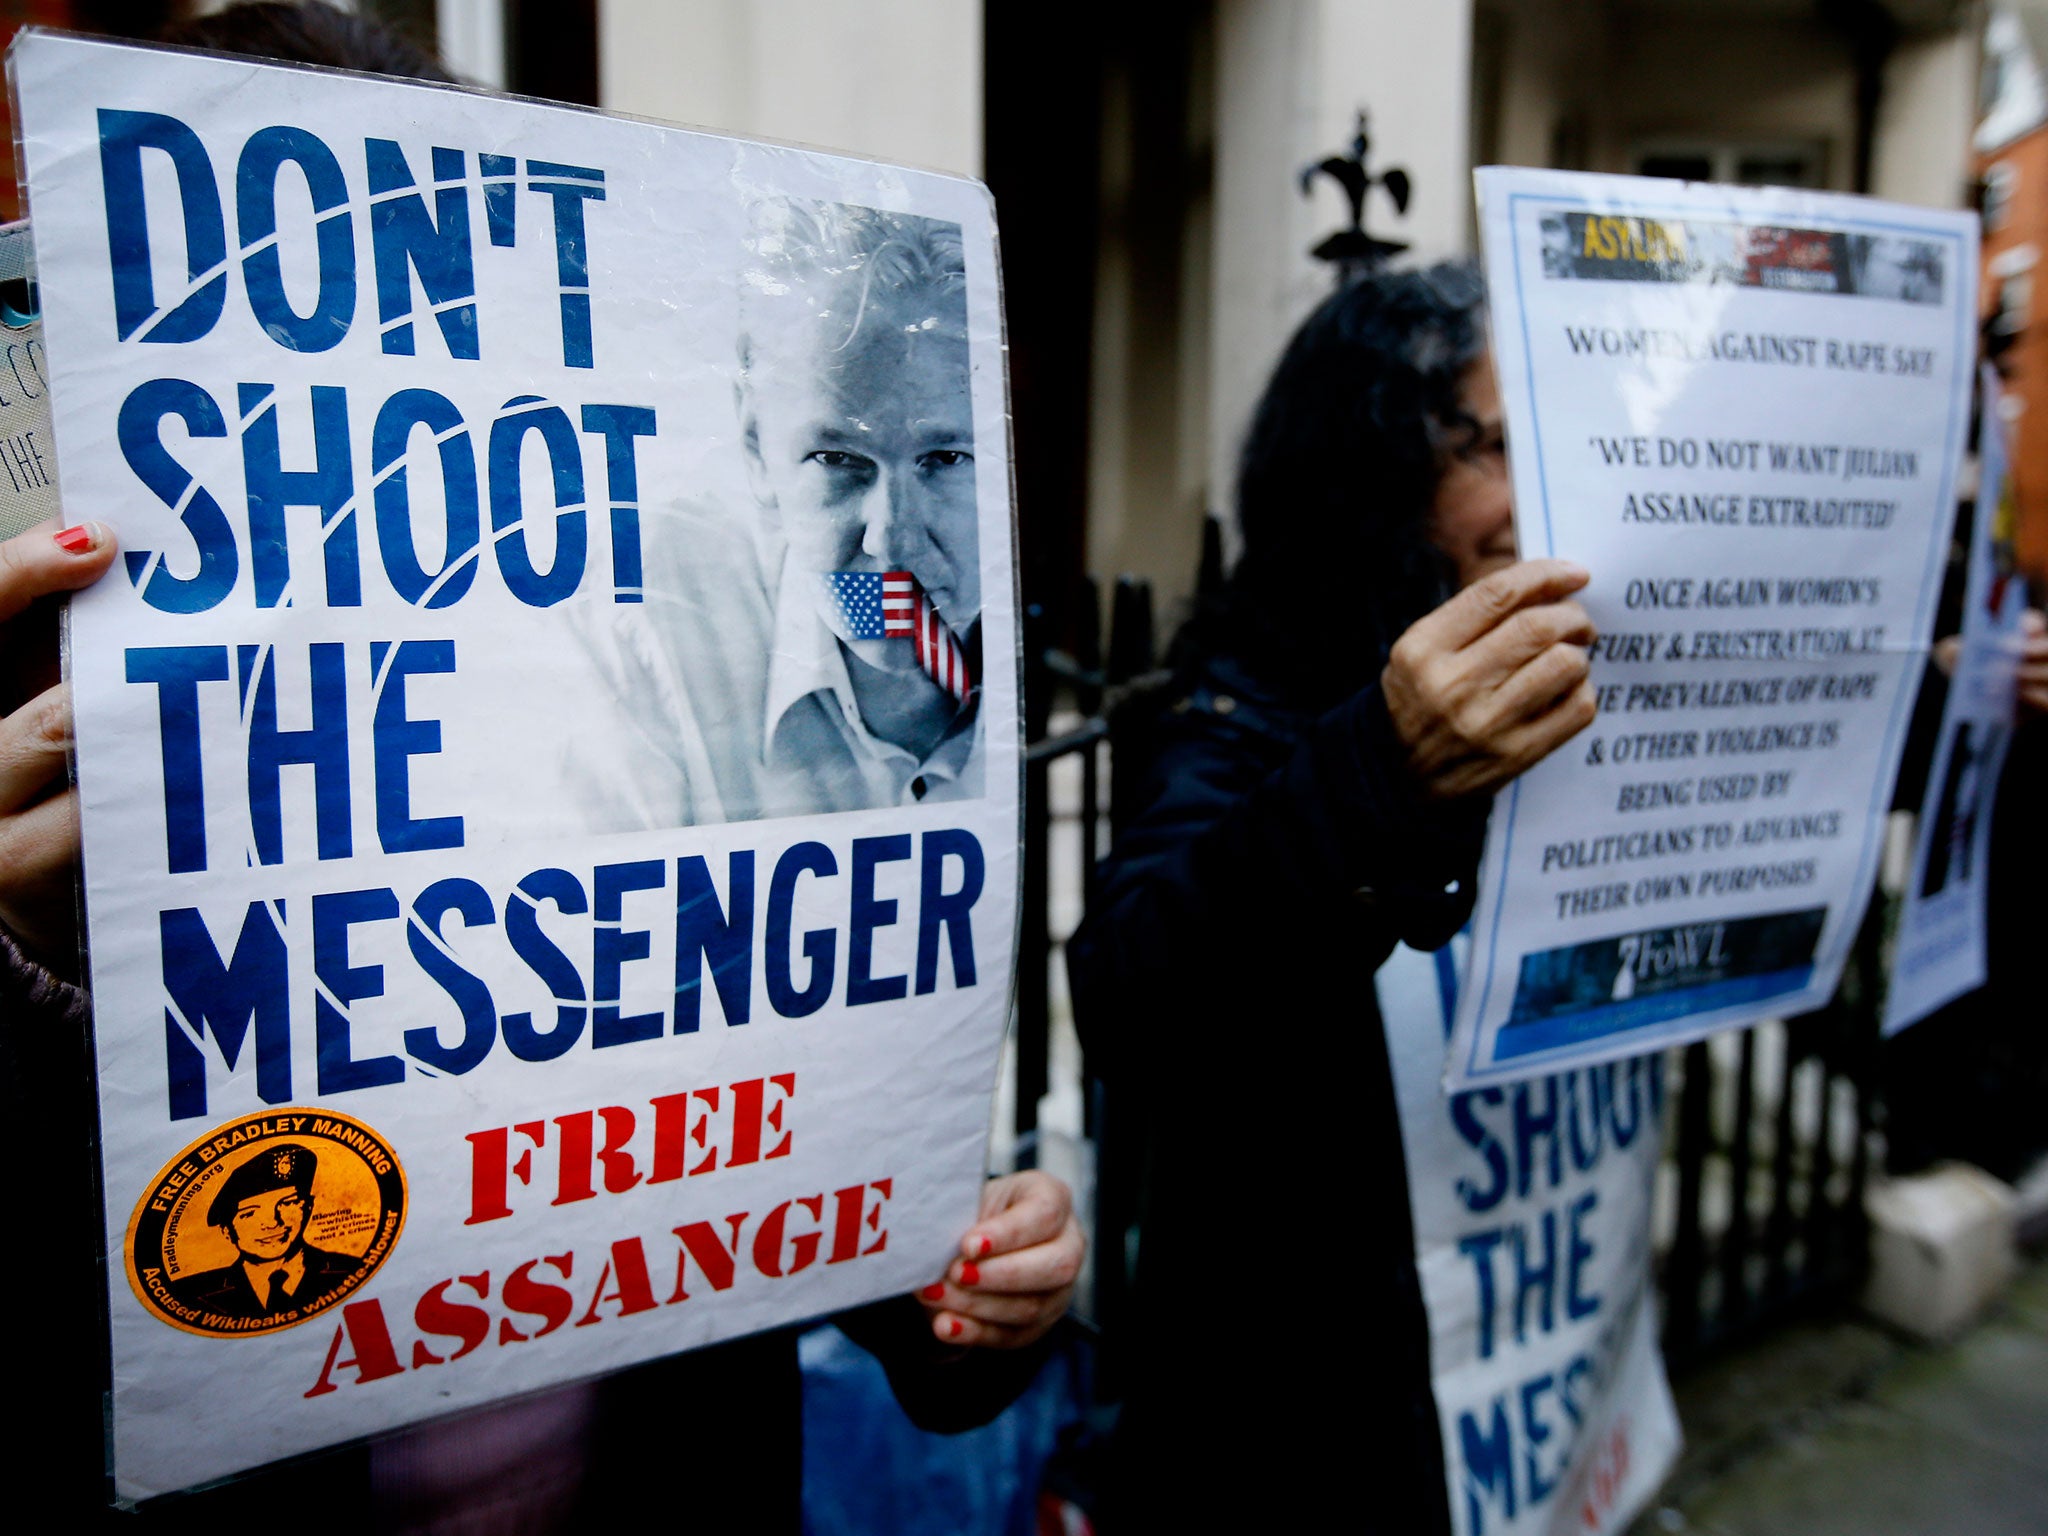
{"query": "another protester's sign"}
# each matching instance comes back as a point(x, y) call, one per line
point(28, 469)
point(1743, 412)
point(1939, 951)
point(1532, 1239)
point(548, 752)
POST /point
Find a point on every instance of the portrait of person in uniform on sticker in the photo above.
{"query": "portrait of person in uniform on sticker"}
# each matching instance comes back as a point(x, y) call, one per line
point(858, 429)
point(817, 648)
point(263, 1208)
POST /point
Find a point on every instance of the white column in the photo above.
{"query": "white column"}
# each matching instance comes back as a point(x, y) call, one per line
point(472, 38)
point(895, 79)
point(1923, 152)
point(1291, 77)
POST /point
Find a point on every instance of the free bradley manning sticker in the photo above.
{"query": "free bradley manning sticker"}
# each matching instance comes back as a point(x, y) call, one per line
point(265, 1222)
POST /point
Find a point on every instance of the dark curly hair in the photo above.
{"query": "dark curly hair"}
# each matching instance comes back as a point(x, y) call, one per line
point(1338, 474)
point(308, 33)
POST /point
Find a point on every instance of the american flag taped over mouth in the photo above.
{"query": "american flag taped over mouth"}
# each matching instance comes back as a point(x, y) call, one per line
point(890, 605)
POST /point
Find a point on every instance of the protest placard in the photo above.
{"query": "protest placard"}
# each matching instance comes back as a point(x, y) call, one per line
point(549, 752)
point(1531, 1204)
point(1939, 947)
point(28, 471)
point(1743, 411)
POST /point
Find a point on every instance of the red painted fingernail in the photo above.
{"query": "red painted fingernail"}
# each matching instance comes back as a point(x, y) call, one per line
point(78, 540)
point(934, 1292)
point(987, 1245)
point(970, 1274)
point(953, 1328)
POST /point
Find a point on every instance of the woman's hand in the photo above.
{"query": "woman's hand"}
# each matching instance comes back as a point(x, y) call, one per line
point(1015, 1274)
point(1494, 681)
point(2033, 670)
point(38, 811)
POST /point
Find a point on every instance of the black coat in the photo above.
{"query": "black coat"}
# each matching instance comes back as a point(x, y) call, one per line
point(1278, 1359)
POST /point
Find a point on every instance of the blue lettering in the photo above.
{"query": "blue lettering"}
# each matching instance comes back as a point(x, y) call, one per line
point(1529, 1127)
point(941, 911)
point(341, 984)
point(329, 486)
point(708, 938)
point(472, 903)
point(396, 737)
point(1479, 1136)
point(402, 414)
point(1489, 1467)
point(268, 151)
point(323, 747)
point(821, 945)
point(545, 960)
point(1536, 1431)
point(619, 425)
point(565, 459)
point(209, 997)
point(613, 945)
point(123, 138)
point(866, 914)
point(1479, 1248)
point(177, 671)
point(1578, 1251)
point(1538, 1280)
point(405, 239)
point(137, 431)
point(569, 186)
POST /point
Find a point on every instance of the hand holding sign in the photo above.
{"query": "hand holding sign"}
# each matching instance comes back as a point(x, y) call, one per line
point(1494, 681)
point(39, 829)
point(1017, 1267)
point(2033, 669)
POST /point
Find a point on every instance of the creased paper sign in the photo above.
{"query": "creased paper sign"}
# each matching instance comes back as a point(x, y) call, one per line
point(1742, 410)
point(549, 750)
point(1532, 1210)
point(1939, 951)
point(28, 469)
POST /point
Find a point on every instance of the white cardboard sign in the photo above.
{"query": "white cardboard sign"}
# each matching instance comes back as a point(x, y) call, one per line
point(549, 751)
point(1743, 410)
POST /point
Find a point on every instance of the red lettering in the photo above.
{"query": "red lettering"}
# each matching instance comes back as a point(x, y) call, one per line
point(488, 1159)
point(538, 1298)
point(803, 1247)
point(749, 1101)
point(580, 1159)
point(574, 1170)
point(636, 1289)
point(620, 1174)
point(718, 1260)
point(671, 1112)
point(362, 1322)
point(436, 1314)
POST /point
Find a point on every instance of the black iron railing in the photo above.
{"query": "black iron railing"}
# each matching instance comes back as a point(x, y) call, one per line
point(1767, 1144)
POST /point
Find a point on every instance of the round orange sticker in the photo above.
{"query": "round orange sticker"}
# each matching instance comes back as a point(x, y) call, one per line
point(265, 1222)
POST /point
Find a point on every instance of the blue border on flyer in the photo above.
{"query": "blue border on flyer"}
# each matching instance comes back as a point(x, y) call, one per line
point(1881, 792)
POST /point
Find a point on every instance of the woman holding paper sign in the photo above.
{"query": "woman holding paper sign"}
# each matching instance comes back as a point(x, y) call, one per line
point(1377, 666)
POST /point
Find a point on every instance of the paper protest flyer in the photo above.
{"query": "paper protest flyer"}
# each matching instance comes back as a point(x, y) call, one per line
point(1532, 1242)
point(28, 471)
point(549, 750)
point(1743, 412)
point(1939, 949)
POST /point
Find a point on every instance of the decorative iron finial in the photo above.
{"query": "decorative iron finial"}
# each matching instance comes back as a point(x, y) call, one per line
point(1354, 253)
